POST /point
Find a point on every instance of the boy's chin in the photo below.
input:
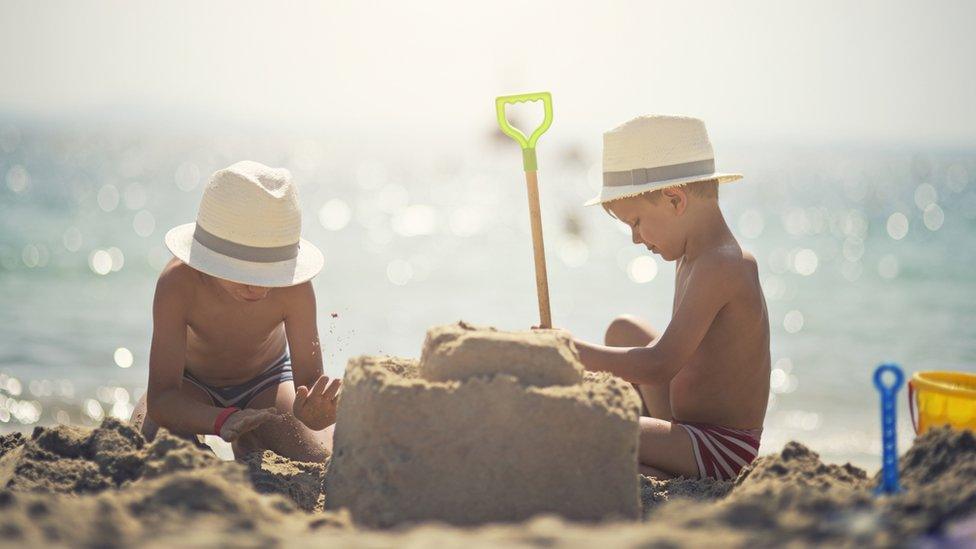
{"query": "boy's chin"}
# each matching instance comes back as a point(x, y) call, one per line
point(658, 252)
point(246, 299)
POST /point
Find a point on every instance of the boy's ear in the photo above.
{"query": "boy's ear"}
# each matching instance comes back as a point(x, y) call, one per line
point(676, 199)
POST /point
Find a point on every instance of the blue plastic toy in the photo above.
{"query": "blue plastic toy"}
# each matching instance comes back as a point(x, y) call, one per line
point(889, 449)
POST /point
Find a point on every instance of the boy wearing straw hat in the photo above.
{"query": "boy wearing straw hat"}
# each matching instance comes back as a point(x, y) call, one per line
point(704, 381)
point(234, 327)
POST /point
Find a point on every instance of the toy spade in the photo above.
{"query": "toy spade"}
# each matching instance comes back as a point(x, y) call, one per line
point(531, 180)
point(889, 449)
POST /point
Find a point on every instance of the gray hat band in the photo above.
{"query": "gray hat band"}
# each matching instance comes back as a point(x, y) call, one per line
point(641, 176)
point(257, 254)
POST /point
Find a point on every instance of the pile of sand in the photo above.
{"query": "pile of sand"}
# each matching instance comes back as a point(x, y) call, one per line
point(489, 426)
point(794, 496)
point(108, 487)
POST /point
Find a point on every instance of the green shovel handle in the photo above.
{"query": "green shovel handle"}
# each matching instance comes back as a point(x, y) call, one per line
point(527, 143)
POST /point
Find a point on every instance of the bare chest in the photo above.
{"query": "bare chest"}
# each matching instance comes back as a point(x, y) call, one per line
point(245, 335)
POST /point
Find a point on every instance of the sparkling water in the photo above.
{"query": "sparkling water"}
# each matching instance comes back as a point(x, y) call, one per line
point(866, 255)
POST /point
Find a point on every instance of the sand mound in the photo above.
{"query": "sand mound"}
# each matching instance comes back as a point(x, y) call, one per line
point(76, 460)
point(303, 483)
point(183, 496)
point(798, 468)
point(485, 445)
point(108, 487)
point(793, 496)
point(458, 352)
point(938, 478)
point(655, 493)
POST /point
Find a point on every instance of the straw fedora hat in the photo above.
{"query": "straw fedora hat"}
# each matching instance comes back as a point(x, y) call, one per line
point(248, 229)
point(655, 152)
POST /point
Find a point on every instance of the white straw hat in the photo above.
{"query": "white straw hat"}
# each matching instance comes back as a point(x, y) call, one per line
point(654, 152)
point(248, 229)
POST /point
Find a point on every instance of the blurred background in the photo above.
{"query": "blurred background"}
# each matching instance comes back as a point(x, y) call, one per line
point(853, 124)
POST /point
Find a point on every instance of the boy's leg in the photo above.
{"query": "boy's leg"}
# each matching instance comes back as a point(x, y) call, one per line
point(287, 437)
point(631, 331)
point(665, 450)
point(140, 415)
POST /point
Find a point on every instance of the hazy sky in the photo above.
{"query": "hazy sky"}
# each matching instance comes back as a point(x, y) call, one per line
point(841, 70)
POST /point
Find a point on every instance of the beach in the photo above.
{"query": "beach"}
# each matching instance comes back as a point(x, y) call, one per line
point(107, 487)
point(844, 138)
point(489, 437)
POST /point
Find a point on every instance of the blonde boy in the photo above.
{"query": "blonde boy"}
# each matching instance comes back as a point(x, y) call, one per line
point(704, 381)
point(234, 327)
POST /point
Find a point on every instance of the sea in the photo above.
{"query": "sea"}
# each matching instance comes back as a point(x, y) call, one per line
point(867, 256)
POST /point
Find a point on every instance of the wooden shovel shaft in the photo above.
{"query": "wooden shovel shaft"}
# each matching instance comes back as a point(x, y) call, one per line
point(541, 280)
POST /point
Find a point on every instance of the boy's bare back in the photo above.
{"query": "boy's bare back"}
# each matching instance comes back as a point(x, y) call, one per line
point(704, 381)
point(725, 381)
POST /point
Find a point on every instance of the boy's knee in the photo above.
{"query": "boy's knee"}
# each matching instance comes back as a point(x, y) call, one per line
point(621, 331)
point(142, 422)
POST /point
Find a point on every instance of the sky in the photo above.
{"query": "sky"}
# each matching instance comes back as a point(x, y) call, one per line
point(879, 72)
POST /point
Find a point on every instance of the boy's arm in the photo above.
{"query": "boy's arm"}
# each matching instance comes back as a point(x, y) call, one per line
point(710, 286)
point(301, 329)
point(315, 394)
point(166, 405)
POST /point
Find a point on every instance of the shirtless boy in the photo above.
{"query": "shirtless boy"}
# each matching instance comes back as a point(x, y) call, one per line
point(234, 328)
point(704, 382)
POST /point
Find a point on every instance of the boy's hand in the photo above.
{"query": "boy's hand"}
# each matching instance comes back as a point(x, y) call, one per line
point(246, 420)
point(316, 407)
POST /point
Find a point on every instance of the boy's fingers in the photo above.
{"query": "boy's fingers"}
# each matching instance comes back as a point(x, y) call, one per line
point(332, 389)
point(325, 385)
point(301, 394)
point(319, 386)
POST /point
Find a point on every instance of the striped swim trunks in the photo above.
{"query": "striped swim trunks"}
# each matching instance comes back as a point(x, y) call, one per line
point(240, 395)
point(721, 452)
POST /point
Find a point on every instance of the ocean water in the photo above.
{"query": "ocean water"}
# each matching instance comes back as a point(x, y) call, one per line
point(866, 253)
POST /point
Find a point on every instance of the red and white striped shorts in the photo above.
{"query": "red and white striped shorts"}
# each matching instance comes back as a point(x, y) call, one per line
point(721, 452)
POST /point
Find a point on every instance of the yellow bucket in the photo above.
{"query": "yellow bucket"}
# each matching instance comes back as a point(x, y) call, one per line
point(936, 399)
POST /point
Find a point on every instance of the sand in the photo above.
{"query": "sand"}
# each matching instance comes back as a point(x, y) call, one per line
point(458, 352)
point(108, 487)
point(462, 442)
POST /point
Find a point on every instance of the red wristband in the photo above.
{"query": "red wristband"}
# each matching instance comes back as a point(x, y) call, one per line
point(222, 417)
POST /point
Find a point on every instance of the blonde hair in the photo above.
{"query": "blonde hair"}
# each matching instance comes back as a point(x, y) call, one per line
point(707, 189)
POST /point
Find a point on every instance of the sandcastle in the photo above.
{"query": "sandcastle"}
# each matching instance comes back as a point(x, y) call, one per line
point(488, 426)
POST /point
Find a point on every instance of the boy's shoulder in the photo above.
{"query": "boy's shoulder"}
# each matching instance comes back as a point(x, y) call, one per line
point(177, 278)
point(297, 295)
point(727, 264)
